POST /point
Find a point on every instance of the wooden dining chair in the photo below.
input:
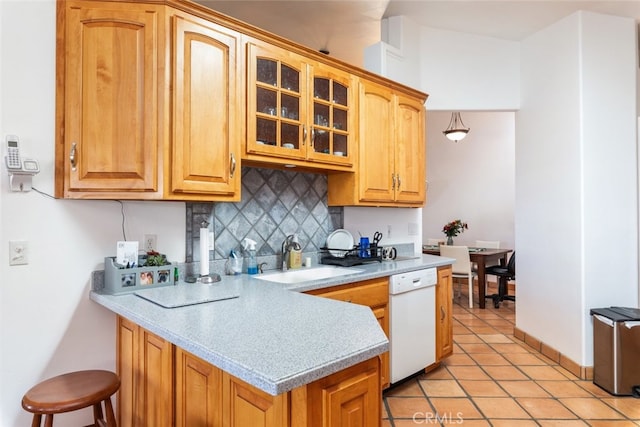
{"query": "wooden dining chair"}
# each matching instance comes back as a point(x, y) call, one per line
point(488, 244)
point(462, 267)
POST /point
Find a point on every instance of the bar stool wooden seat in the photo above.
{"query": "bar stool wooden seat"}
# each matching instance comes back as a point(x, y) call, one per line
point(70, 392)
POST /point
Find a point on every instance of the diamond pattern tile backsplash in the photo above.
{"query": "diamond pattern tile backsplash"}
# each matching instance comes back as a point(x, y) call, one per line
point(274, 204)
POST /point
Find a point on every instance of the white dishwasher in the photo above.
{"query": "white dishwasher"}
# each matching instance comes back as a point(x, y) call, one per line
point(412, 322)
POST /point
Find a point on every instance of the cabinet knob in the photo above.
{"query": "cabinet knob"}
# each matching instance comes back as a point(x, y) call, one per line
point(399, 182)
point(72, 157)
point(442, 313)
point(233, 165)
point(393, 181)
point(304, 134)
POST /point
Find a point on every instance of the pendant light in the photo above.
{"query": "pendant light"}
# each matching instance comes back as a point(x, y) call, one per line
point(456, 130)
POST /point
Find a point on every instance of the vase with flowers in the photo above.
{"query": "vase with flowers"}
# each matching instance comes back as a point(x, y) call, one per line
point(454, 228)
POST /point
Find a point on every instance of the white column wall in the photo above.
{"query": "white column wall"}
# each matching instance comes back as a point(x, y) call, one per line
point(48, 325)
point(610, 193)
point(576, 175)
point(548, 190)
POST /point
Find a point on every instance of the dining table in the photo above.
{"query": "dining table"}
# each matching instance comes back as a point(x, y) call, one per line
point(482, 257)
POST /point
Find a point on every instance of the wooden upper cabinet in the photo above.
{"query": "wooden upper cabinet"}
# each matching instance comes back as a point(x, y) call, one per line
point(333, 112)
point(206, 115)
point(410, 151)
point(276, 102)
point(163, 100)
point(148, 104)
point(299, 111)
point(107, 106)
point(391, 148)
point(376, 168)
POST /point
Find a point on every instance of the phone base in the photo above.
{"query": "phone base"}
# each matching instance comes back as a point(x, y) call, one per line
point(20, 182)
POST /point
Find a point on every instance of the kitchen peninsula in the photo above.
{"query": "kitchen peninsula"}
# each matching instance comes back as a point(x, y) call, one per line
point(272, 356)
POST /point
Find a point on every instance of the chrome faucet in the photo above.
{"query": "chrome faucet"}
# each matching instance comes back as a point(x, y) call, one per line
point(286, 249)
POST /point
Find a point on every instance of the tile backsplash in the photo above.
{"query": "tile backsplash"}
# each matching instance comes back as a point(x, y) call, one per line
point(274, 204)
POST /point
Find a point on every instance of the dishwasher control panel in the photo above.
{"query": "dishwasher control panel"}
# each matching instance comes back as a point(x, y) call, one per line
point(411, 280)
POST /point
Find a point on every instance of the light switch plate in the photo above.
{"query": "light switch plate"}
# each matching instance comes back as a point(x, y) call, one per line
point(18, 252)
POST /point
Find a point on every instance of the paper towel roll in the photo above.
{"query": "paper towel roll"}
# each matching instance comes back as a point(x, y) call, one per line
point(204, 251)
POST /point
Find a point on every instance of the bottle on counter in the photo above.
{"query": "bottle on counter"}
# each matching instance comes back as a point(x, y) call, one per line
point(295, 253)
point(252, 263)
point(233, 266)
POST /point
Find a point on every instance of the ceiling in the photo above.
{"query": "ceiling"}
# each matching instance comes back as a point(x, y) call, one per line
point(345, 28)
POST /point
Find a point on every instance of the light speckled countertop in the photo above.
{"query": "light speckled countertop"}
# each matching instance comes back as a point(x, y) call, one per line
point(272, 336)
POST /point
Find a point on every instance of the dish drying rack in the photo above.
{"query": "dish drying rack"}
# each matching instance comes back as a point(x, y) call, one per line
point(351, 257)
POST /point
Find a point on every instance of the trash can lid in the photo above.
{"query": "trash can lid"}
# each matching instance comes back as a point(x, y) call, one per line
point(618, 314)
point(631, 313)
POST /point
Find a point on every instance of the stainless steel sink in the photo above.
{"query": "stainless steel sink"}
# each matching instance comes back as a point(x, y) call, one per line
point(307, 274)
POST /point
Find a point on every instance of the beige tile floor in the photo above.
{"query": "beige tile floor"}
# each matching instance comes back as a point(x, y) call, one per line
point(493, 379)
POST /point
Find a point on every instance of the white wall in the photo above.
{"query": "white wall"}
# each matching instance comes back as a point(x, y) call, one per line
point(473, 179)
point(397, 225)
point(469, 72)
point(576, 173)
point(48, 325)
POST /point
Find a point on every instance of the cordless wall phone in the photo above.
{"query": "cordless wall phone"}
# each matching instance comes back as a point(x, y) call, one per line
point(15, 163)
point(13, 153)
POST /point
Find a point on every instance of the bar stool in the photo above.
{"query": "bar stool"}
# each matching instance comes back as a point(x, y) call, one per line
point(70, 392)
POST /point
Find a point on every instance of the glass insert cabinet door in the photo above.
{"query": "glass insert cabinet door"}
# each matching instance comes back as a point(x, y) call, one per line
point(332, 124)
point(276, 102)
point(298, 108)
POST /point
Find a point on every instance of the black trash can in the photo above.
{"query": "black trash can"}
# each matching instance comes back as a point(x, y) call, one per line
point(616, 350)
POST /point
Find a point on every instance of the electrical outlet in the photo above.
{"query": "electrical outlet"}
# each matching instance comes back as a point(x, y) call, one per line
point(150, 242)
point(18, 252)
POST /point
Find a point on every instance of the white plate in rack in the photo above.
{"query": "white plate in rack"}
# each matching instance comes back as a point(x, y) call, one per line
point(340, 239)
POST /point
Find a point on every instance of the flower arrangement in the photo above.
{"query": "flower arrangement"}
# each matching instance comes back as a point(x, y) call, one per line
point(454, 228)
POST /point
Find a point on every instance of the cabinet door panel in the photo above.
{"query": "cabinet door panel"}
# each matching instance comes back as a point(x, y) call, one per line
point(245, 405)
point(205, 127)
point(198, 392)
point(276, 107)
point(349, 398)
point(126, 368)
point(156, 381)
point(410, 151)
point(111, 98)
point(376, 143)
point(333, 110)
point(444, 309)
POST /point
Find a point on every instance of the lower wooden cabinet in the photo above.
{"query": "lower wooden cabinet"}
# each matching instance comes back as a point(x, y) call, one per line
point(245, 405)
point(145, 366)
point(373, 293)
point(198, 391)
point(157, 377)
point(349, 398)
point(444, 308)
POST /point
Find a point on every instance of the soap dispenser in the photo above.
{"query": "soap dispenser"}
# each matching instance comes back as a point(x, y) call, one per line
point(250, 247)
point(295, 253)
